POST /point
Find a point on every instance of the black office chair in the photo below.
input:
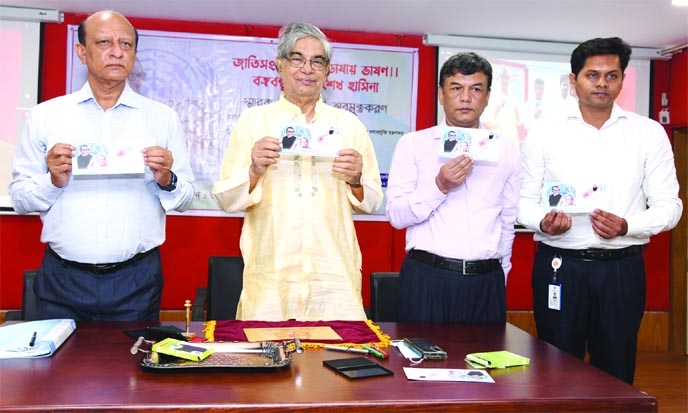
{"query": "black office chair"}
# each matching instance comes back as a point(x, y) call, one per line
point(29, 310)
point(383, 296)
point(221, 298)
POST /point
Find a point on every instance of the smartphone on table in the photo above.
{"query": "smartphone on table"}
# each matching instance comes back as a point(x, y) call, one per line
point(426, 349)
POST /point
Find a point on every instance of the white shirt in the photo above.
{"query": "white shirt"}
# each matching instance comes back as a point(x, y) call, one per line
point(100, 220)
point(631, 155)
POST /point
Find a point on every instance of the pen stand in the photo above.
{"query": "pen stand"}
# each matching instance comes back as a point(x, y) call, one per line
point(260, 355)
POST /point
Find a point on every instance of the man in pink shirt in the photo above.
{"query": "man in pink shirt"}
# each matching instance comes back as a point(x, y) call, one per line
point(459, 213)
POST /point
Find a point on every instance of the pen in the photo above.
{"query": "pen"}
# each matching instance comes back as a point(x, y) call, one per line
point(347, 349)
point(380, 350)
point(33, 339)
point(375, 352)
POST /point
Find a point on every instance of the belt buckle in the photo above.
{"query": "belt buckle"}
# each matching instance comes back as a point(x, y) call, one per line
point(103, 268)
point(467, 271)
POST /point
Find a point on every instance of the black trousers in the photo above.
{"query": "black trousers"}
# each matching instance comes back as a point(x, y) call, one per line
point(602, 303)
point(429, 294)
point(132, 293)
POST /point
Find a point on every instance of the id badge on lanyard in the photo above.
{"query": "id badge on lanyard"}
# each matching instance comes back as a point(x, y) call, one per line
point(554, 292)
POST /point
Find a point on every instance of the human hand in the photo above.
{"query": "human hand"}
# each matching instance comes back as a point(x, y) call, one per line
point(59, 161)
point(160, 161)
point(350, 164)
point(555, 223)
point(607, 225)
point(454, 173)
point(264, 153)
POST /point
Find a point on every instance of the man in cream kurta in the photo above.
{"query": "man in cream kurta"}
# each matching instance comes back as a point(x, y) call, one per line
point(301, 254)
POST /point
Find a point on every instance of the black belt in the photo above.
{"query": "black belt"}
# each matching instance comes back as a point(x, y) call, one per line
point(462, 266)
point(103, 268)
point(597, 254)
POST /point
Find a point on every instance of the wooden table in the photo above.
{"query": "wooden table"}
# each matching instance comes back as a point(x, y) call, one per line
point(94, 370)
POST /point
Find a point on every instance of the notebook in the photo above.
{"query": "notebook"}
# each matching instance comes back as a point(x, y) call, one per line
point(34, 339)
point(497, 359)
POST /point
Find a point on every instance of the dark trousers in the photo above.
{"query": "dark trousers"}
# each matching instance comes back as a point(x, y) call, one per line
point(132, 293)
point(429, 294)
point(602, 303)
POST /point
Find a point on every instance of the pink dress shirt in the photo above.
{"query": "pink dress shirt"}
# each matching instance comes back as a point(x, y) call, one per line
point(474, 221)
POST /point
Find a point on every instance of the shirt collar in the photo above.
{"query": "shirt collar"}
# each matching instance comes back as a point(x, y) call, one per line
point(127, 98)
point(294, 108)
point(441, 125)
point(617, 113)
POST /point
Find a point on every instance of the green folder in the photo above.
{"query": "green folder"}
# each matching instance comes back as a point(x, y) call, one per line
point(497, 359)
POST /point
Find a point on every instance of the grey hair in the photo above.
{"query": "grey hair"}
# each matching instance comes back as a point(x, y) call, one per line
point(290, 33)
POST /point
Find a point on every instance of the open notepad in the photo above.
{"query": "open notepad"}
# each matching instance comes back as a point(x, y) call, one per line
point(33, 339)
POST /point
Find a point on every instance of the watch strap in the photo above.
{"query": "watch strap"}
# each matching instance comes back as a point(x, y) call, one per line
point(173, 183)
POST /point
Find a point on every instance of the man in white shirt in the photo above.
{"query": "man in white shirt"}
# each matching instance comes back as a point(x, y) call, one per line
point(102, 261)
point(589, 276)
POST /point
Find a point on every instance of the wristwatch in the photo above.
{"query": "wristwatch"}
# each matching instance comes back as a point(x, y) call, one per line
point(358, 185)
point(173, 184)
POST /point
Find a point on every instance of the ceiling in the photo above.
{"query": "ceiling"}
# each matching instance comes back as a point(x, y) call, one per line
point(642, 23)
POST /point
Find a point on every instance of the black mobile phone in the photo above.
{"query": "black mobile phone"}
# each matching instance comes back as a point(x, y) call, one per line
point(426, 349)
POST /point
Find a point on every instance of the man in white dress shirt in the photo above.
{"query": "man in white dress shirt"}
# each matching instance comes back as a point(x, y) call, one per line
point(589, 275)
point(102, 260)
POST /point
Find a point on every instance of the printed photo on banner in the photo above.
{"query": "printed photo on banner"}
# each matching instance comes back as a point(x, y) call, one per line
point(573, 198)
point(479, 144)
point(310, 139)
point(115, 157)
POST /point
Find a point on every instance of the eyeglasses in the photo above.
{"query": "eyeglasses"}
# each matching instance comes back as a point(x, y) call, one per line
point(298, 62)
point(134, 76)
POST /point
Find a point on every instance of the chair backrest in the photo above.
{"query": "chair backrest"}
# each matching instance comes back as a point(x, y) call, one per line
point(30, 302)
point(225, 281)
point(383, 296)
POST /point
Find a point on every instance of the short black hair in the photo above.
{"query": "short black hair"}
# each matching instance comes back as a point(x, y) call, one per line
point(600, 46)
point(466, 63)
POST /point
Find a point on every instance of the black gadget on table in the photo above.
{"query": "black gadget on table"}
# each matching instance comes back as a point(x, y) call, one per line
point(426, 349)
